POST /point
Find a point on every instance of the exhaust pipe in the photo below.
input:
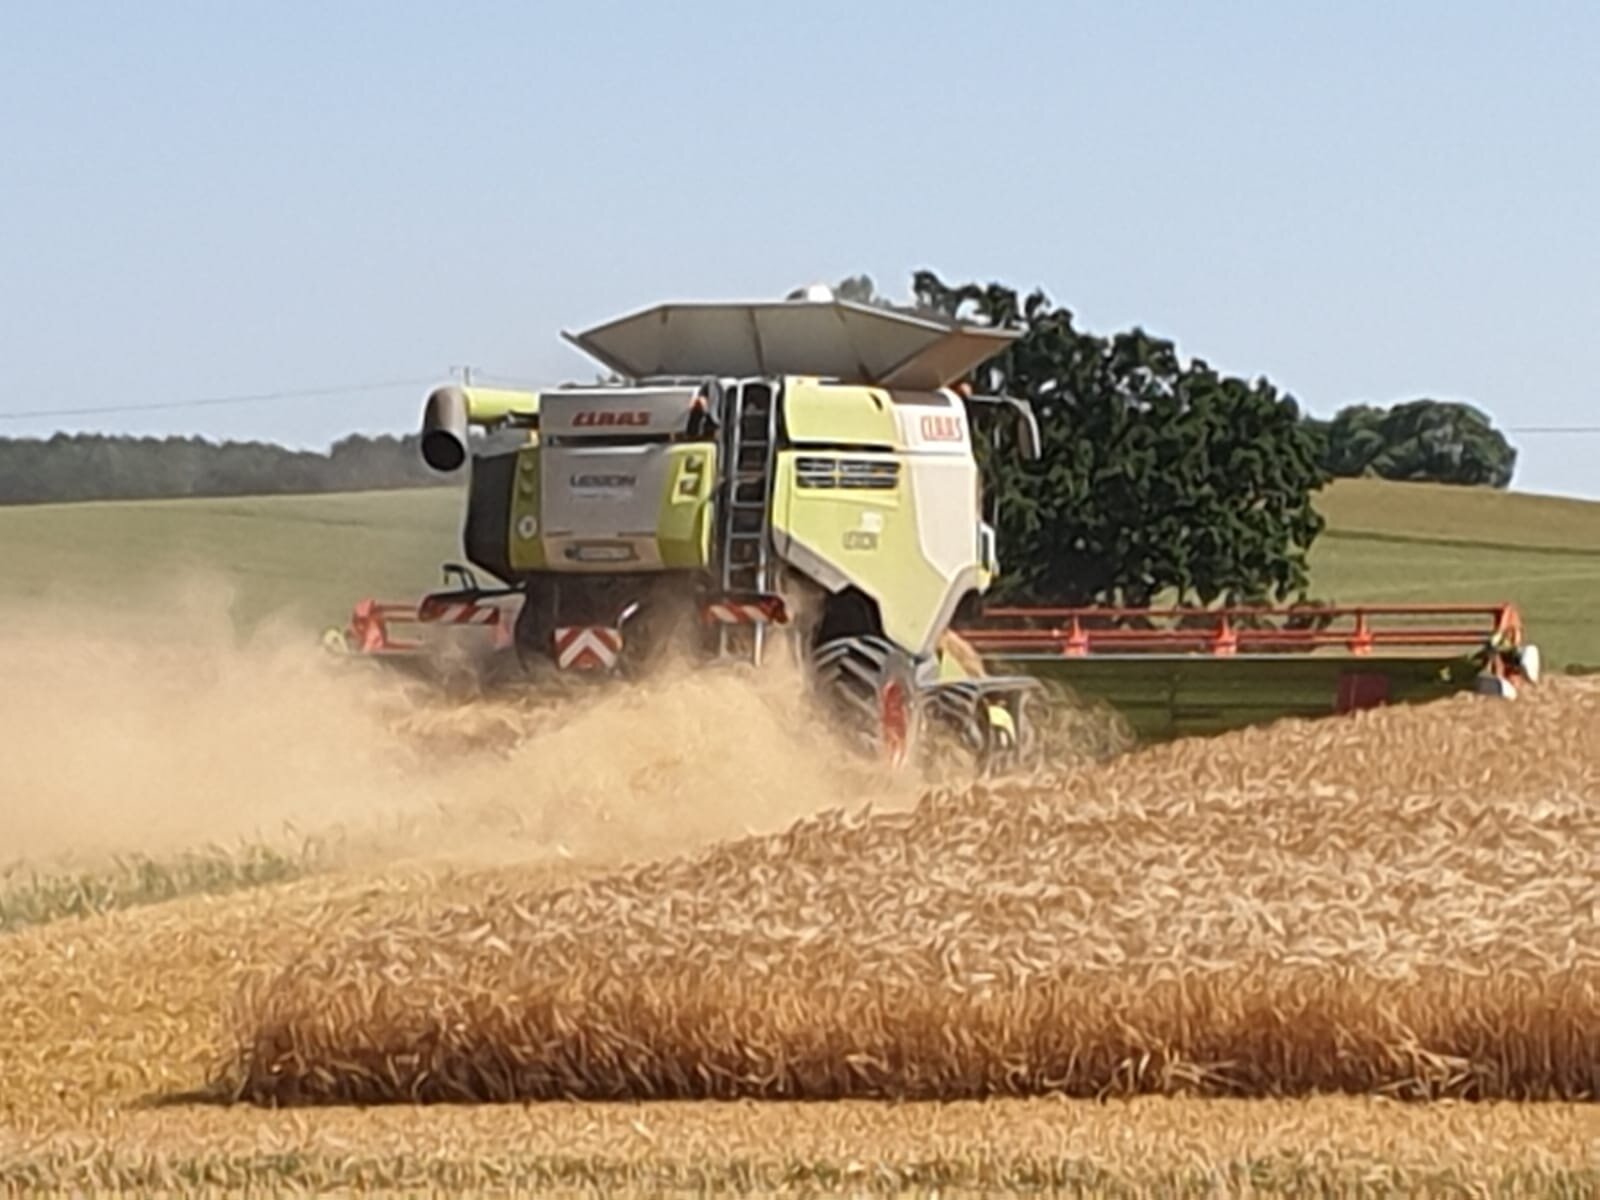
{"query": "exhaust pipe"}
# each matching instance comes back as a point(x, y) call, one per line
point(444, 429)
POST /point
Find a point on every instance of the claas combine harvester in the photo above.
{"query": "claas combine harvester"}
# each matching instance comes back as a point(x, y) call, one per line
point(795, 476)
point(799, 477)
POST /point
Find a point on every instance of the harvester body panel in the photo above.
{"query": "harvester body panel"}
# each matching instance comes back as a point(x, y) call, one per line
point(617, 490)
point(610, 483)
point(870, 489)
point(879, 491)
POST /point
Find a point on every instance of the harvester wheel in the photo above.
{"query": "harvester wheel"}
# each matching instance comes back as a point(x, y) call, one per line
point(994, 729)
point(1012, 741)
point(870, 683)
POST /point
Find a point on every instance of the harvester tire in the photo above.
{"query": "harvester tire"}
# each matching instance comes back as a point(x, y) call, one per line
point(1012, 743)
point(871, 685)
point(996, 730)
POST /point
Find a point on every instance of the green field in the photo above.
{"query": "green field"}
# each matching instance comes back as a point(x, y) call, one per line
point(1413, 542)
point(308, 557)
point(311, 556)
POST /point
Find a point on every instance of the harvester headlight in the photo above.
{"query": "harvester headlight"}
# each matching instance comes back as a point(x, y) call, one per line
point(528, 527)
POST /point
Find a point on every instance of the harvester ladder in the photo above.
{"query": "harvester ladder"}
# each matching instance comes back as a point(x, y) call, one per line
point(749, 447)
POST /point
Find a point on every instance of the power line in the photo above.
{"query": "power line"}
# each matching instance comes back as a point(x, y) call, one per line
point(1553, 429)
point(215, 401)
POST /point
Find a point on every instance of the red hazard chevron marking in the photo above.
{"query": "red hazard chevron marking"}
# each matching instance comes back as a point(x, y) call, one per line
point(371, 624)
point(461, 614)
point(587, 647)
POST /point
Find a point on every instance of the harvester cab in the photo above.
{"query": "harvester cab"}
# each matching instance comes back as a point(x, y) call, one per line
point(799, 470)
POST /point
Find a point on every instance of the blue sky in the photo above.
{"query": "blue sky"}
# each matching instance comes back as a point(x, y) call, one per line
point(1365, 202)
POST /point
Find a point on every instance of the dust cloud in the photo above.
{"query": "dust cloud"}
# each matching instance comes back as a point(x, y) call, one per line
point(162, 728)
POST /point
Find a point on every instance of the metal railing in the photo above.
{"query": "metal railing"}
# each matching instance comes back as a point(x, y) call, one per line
point(1358, 630)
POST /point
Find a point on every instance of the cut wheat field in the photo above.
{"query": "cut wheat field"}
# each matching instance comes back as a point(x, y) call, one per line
point(1400, 904)
point(1356, 955)
point(1153, 1146)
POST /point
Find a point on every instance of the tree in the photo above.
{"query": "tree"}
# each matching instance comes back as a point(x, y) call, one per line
point(1158, 479)
point(1420, 440)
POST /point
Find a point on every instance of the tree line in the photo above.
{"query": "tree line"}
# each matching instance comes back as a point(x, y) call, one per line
point(1420, 441)
point(92, 466)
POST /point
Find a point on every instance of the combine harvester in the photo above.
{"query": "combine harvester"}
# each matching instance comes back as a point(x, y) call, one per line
point(801, 475)
point(795, 475)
